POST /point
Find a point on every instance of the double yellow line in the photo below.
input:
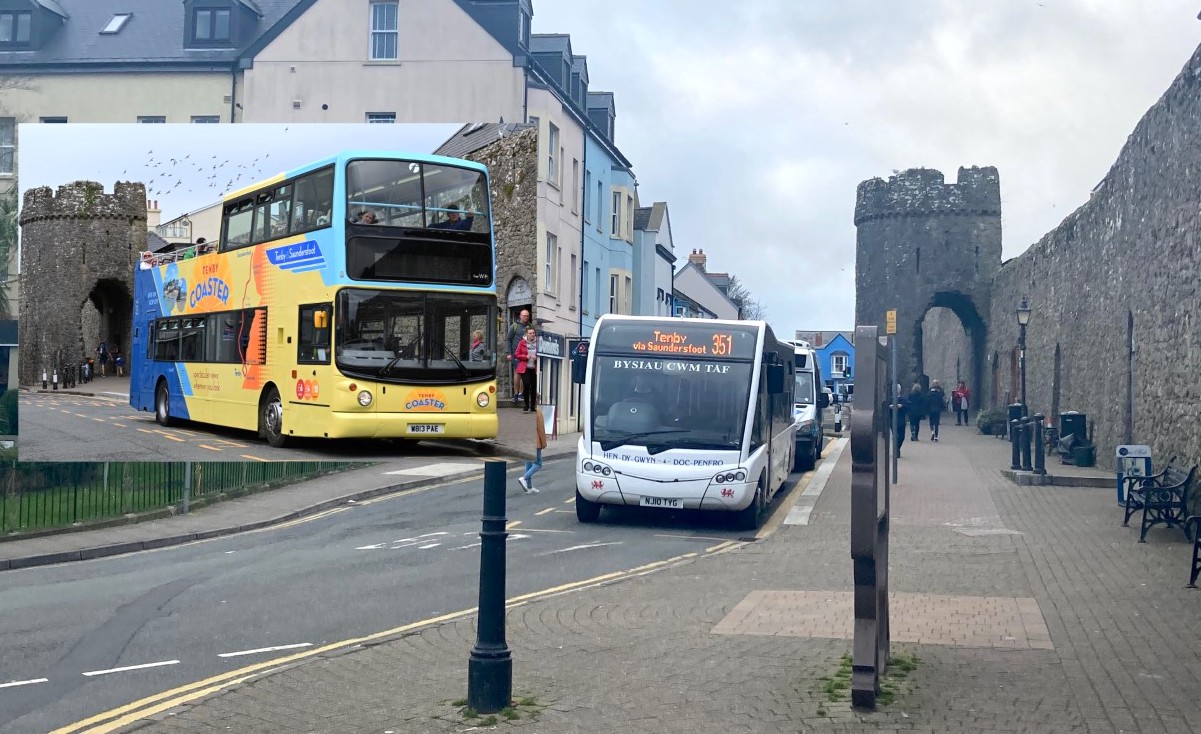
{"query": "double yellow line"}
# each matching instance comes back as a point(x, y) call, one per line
point(114, 719)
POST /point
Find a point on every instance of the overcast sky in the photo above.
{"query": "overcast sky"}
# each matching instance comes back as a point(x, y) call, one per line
point(755, 121)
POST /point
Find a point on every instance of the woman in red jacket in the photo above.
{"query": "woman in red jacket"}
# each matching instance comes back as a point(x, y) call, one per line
point(526, 357)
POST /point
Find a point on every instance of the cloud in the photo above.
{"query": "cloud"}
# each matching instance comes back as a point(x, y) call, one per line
point(757, 121)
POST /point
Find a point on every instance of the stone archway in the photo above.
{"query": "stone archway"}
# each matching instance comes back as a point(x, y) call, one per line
point(949, 342)
point(105, 316)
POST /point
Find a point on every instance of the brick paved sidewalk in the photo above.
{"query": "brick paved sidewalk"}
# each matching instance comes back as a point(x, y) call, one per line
point(1028, 608)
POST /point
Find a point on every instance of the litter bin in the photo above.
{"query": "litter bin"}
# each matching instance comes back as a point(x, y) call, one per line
point(1073, 422)
point(1014, 412)
point(1131, 461)
point(1084, 455)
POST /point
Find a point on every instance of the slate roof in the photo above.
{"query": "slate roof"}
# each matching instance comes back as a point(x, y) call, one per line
point(473, 136)
point(642, 216)
point(155, 243)
point(541, 43)
point(153, 35)
point(52, 6)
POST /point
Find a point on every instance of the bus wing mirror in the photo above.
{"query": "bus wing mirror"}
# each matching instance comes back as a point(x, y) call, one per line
point(775, 378)
point(824, 400)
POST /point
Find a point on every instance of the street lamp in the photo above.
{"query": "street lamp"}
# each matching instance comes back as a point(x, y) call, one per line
point(1023, 319)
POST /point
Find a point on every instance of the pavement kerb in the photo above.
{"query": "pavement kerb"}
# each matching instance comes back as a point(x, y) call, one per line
point(114, 549)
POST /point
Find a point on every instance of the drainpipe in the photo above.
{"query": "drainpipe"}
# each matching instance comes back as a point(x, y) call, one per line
point(233, 92)
point(583, 229)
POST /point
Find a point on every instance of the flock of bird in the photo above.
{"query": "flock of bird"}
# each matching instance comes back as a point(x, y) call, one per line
point(193, 174)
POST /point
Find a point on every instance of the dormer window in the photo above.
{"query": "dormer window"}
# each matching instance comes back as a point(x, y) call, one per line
point(211, 25)
point(15, 27)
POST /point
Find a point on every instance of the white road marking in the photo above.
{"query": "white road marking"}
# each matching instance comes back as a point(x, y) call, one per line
point(132, 667)
point(436, 470)
point(427, 547)
point(24, 682)
point(419, 537)
point(264, 649)
point(799, 514)
point(586, 545)
point(543, 512)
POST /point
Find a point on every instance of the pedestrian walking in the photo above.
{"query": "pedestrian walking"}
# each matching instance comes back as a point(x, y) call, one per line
point(102, 355)
point(959, 401)
point(936, 403)
point(916, 409)
point(119, 363)
point(526, 480)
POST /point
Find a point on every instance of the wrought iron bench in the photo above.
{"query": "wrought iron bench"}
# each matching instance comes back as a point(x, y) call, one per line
point(1130, 482)
point(1163, 500)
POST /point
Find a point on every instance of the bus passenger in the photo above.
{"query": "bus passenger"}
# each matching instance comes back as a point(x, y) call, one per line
point(479, 351)
point(367, 217)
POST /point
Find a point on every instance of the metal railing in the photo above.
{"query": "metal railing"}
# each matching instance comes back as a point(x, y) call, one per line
point(46, 495)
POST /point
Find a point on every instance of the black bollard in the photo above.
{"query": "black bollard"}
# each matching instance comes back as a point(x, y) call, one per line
point(490, 667)
point(44, 379)
point(1040, 458)
point(55, 377)
point(1014, 438)
point(1027, 436)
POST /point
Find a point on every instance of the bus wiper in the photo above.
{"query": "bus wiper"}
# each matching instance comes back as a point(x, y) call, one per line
point(606, 445)
point(386, 369)
point(462, 367)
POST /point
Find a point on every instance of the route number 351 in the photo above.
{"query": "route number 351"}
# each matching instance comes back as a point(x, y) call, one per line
point(722, 344)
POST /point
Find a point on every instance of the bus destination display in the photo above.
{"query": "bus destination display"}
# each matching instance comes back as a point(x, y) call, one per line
point(685, 342)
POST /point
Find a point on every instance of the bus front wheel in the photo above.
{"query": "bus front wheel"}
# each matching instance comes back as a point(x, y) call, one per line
point(162, 406)
point(586, 511)
point(750, 517)
point(271, 419)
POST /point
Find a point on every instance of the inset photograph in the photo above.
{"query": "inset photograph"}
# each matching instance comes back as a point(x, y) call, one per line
point(256, 292)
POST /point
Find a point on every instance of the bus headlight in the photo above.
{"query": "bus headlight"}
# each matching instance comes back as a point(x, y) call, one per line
point(593, 467)
point(482, 399)
point(730, 476)
point(365, 398)
point(806, 426)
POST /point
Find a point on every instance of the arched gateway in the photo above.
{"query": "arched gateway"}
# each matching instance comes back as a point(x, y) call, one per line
point(923, 244)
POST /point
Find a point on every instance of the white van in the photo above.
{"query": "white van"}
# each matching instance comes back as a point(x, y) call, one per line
point(810, 399)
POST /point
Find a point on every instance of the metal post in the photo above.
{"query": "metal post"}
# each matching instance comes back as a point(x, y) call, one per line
point(44, 379)
point(490, 667)
point(1040, 459)
point(187, 485)
point(1014, 438)
point(892, 386)
point(1027, 435)
point(55, 378)
point(1022, 362)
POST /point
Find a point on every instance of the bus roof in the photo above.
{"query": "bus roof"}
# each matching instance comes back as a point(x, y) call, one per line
point(349, 155)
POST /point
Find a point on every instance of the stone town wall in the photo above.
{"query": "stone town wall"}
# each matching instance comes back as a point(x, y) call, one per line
point(513, 171)
point(78, 244)
point(1121, 271)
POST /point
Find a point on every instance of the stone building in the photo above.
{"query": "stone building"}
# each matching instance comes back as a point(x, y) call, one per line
point(79, 247)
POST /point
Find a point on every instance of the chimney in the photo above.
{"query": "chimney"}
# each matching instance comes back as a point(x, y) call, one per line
point(154, 215)
point(698, 257)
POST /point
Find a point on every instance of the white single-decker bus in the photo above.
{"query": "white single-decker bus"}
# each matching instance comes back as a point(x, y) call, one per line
point(685, 414)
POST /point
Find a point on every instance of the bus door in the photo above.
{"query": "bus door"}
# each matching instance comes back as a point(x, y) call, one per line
point(314, 377)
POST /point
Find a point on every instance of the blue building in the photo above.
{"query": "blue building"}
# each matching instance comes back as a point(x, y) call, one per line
point(835, 356)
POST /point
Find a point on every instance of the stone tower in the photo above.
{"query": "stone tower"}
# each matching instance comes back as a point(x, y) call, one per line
point(78, 251)
point(921, 244)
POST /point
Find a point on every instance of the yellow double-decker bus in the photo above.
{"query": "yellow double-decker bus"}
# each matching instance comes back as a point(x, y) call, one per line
point(352, 297)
